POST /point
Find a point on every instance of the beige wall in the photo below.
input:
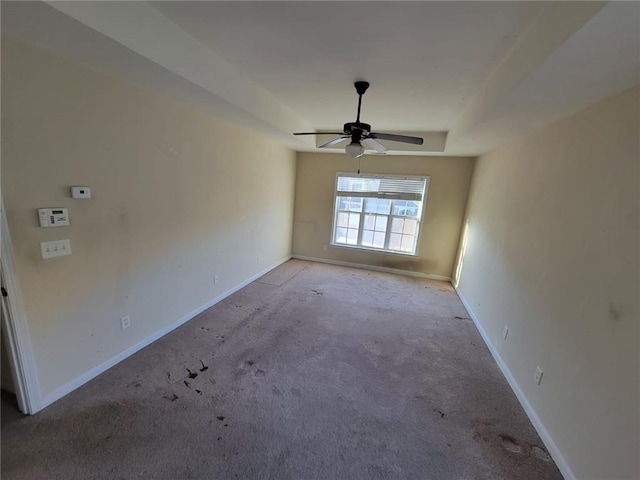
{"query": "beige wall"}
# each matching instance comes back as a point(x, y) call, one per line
point(443, 214)
point(179, 196)
point(552, 251)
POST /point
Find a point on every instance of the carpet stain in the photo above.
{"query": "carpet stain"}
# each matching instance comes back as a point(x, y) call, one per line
point(172, 398)
point(192, 374)
point(204, 367)
point(220, 417)
point(509, 443)
point(541, 453)
point(245, 367)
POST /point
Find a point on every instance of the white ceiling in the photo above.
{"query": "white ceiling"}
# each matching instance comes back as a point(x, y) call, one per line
point(481, 72)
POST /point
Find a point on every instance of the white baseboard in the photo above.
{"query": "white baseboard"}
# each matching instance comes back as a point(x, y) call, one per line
point(373, 268)
point(95, 371)
point(551, 446)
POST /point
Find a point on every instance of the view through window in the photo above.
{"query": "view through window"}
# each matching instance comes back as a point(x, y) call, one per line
point(379, 212)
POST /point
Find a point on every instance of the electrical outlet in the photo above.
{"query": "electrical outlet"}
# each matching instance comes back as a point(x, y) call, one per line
point(215, 279)
point(505, 332)
point(324, 247)
point(125, 322)
point(537, 376)
point(259, 259)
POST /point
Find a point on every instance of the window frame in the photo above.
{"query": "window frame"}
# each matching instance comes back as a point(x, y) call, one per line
point(390, 216)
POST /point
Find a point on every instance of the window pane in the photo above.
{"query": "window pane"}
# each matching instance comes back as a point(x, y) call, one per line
point(413, 208)
point(410, 226)
point(397, 224)
point(341, 235)
point(394, 241)
point(342, 219)
point(384, 206)
point(371, 205)
point(354, 220)
point(378, 240)
point(352, 236)
point(355, 204)
point(407, 243)
point(369, 221)
point(377, 205)
point(367, 238)
point(399, 207)
point(381, 223)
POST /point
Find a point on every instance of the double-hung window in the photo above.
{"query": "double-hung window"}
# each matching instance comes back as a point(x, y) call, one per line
point(379, 212)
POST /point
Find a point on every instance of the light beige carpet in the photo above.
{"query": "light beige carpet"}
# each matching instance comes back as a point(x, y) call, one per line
point(336, 373)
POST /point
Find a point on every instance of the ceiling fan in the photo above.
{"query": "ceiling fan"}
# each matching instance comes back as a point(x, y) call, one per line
point(360, 133)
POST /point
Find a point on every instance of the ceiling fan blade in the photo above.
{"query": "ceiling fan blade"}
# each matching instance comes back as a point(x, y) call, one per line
point(319, 133)
point(374, 145)
point(397, 138)
point(333, 142)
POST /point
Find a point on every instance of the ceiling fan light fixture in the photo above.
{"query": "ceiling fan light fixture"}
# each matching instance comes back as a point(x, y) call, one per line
point(354, 149)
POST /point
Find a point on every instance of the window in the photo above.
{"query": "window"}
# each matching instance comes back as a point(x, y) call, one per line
point(379, 212)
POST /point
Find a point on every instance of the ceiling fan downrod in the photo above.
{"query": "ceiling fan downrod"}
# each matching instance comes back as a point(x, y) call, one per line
point(361, 88)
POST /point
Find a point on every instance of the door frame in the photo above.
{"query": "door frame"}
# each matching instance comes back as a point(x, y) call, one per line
point(15, 328)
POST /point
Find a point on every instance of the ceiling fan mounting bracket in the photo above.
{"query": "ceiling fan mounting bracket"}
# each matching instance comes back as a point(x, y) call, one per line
point(361, 87)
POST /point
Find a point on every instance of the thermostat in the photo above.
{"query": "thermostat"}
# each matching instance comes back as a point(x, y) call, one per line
point(53, 217)
point(80, 192)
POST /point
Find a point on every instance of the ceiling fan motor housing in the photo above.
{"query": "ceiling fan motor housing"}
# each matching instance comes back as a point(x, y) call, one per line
point(351, 126)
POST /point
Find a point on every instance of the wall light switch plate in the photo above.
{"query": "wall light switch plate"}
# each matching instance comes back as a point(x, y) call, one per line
point(57, 248)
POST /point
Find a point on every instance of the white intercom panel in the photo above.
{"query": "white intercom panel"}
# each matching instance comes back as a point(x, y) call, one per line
point(53, 217)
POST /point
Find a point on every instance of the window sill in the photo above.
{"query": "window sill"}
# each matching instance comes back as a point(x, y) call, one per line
point(374, 250)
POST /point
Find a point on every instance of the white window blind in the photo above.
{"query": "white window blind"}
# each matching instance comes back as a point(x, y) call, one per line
point(376, 186)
